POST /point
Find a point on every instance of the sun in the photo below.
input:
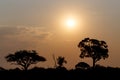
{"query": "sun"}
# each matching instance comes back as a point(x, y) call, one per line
point(70, 23)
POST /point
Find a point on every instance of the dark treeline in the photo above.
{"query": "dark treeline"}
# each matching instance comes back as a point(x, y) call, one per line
point(98, 73)
point(91, 48)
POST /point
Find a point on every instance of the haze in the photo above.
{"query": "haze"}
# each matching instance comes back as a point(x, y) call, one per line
point(38, 25)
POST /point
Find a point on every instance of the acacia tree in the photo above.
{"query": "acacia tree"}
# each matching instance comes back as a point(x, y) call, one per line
point(93, 48)
point(60, 61)
point(25, 58)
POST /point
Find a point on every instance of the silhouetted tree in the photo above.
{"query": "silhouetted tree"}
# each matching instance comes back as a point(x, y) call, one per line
point(93, 48)
point(2, 69)
point(82, 65)
point(25, 58)
point(60, 61)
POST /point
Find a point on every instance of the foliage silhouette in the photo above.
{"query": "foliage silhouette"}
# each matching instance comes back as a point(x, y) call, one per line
point(93, 48)
point(60, 61)
point(2, 69)
point(82, 65)
point(25, 58)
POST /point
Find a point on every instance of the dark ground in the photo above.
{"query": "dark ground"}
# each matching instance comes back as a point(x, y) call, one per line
point(99, 73)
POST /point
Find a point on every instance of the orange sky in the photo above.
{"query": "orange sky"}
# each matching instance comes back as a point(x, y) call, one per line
point(40, 25)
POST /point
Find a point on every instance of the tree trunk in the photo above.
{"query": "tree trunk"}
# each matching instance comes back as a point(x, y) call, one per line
point(93, 62)
point(25, 68)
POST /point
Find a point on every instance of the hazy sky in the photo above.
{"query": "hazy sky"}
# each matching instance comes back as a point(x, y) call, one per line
point(39, 25)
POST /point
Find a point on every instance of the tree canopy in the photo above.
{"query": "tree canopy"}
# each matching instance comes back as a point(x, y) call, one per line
point(61, 60)
point(25, 58)
point(93, 48)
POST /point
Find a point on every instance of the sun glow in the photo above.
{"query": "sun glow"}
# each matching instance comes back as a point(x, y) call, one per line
point(70, 23)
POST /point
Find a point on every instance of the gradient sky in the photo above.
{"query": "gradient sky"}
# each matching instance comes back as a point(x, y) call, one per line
point(38, 25)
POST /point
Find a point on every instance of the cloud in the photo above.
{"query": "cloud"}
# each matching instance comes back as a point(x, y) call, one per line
point(38, 32)
point(8, 31)
point(23, 37)
point(26, 32)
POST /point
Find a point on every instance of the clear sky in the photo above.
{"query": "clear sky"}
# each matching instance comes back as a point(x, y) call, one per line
point(41, 25)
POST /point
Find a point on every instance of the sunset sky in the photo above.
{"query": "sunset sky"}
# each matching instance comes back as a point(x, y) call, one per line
point(57, 26)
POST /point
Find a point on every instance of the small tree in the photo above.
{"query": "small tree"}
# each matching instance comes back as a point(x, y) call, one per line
point(93, 48)
point(25, 58)
point(60, 61)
